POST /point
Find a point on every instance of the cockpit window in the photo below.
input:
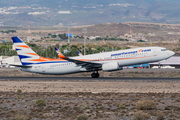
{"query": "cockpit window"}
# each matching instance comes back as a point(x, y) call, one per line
point(164, 49)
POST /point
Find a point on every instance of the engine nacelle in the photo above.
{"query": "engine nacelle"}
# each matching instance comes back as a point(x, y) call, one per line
point(114, 66)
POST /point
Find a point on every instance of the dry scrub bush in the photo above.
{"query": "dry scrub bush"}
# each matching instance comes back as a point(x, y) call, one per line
point(40, 102)
point(146, 105)
point(140, 116)
point(82, 117)
point(20, 117)
point(19, 91)
point(160, 116)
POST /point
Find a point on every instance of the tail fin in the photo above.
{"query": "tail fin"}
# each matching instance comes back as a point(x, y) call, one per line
point(26, 55)
point(79, 53)
point(59, 53)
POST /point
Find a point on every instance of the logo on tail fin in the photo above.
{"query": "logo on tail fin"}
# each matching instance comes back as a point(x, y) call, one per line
point(25, 53)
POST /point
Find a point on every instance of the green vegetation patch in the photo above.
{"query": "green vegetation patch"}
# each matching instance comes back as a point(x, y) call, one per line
point(40, 102)
point(82, 117)
point(20, 117)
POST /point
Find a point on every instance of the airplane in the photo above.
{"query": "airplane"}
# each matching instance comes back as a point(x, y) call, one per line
point(108, 61)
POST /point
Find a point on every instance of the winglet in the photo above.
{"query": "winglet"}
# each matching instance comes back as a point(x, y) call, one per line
point(60, 54)
point(22, 66)
point(79, 53)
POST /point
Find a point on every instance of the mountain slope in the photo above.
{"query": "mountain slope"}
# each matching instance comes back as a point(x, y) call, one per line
point(83, 12)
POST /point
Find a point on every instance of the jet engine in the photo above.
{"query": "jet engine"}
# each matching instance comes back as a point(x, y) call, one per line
point(113, 66)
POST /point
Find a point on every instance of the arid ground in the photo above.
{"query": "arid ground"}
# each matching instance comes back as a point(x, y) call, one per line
point(99, 100)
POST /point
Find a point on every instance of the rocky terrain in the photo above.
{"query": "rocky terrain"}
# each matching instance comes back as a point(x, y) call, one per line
point(96, 106)
point(92, 99)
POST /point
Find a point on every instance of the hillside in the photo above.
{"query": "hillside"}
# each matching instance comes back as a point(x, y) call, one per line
point(109, 29)
point(162, 32)
point(73, 12)
point(116, 29)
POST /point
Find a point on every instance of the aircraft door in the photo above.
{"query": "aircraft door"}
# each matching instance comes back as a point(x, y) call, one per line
point(154, 52)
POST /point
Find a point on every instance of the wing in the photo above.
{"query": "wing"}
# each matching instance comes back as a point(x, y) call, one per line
point(85, 64)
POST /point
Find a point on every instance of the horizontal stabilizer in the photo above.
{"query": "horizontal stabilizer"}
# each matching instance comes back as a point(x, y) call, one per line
point(23, 66)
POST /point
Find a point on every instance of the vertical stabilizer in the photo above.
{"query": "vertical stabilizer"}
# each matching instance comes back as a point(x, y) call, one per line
point(25, 53)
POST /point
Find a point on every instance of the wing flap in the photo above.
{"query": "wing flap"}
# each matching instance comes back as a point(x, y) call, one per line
point(84, 63)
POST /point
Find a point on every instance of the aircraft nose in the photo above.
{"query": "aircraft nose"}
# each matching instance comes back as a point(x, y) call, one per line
point(171, 53)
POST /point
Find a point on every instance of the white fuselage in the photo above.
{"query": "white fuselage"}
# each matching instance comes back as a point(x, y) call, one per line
point(122, 57)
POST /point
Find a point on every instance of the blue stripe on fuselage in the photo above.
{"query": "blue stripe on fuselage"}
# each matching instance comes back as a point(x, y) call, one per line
point(26, 63)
